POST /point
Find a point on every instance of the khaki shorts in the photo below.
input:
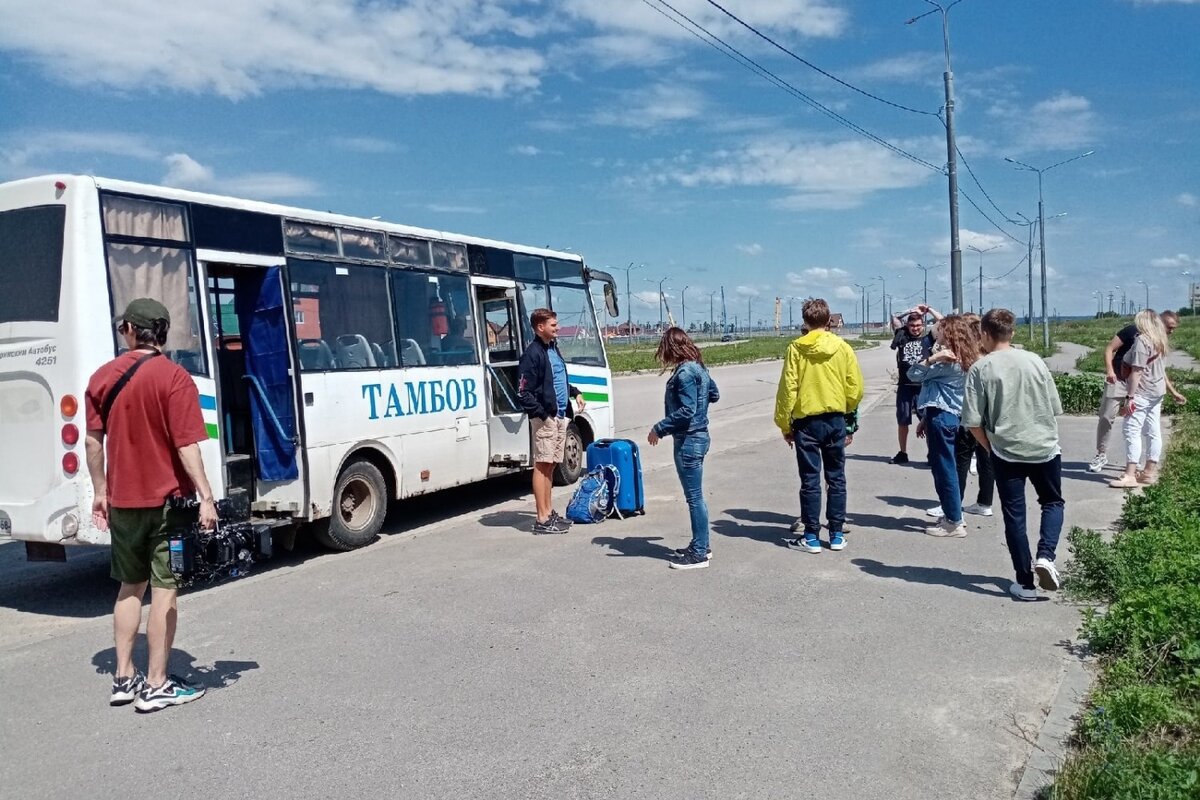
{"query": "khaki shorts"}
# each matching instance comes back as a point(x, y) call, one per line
point(549, 439)
point(140, 546)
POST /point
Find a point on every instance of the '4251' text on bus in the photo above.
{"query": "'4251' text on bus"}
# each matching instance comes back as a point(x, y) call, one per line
point(341, 362)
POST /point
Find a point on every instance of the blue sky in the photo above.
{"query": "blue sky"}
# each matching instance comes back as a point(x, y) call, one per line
point(602, 126)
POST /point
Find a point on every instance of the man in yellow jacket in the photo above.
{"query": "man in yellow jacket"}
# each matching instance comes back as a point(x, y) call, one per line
point(821, 383)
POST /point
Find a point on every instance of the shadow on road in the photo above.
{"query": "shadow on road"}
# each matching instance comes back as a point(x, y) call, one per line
point(936, 576)
point(1078, 471)
point(635, 547)
point(218, 676)
point(772, 528)
point(887, 523)
point(906, 502)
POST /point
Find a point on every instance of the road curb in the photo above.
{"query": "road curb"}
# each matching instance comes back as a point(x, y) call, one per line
point(1050, 749)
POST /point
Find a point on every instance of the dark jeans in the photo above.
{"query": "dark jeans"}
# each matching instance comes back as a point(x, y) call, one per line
point(964, 448)
point(941, 435)
point(690, 450)
point(1010, 484)
point(820, 441)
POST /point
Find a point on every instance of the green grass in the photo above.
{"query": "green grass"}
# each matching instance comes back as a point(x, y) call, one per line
point(640, 357)
point(1139, 735)
point(1097, 333)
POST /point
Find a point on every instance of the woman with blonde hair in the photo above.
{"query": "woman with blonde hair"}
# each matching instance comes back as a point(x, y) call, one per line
point(943, 377)
point(1147, 384)
point(689, 391)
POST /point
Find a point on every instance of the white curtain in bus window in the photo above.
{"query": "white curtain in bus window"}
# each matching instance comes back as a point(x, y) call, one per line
point(410, 251)
point(145, 219)
point(433, 319)
point(365, 245)
point(164, 274)
point(347, 323)
point(306, 237)
point(578, 335)
point(450, 256)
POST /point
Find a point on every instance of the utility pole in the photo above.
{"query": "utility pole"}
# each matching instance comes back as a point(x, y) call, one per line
point(749, 319)
point(1143, 283)
point(956, 285)
point(629, 299)
point(1029, 264)
point(862, 307)
point(724, 317)
point(712, 321)
point(981, 252)
point(925, 286)
point(683, 308)
point(883, 291)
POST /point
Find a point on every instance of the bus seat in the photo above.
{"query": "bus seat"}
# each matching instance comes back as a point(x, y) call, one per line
point(380, 359)
point(354, 351)
point(410, 353)
point(315, 354)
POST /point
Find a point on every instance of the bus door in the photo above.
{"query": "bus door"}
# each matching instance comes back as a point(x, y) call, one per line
point(508, 426)
point(256, 384)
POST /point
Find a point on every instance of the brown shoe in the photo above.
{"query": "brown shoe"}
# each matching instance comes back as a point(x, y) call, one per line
point(1124, 482)
point(1147, 478)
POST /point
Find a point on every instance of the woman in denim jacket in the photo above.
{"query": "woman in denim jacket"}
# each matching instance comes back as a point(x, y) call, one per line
point(943, 377)
point(690, 390)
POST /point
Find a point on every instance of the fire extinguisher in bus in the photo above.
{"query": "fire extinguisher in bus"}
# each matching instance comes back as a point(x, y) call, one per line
point(439, 320)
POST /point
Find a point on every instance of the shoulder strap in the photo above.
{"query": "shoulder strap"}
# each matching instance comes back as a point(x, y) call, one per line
point(111, 397)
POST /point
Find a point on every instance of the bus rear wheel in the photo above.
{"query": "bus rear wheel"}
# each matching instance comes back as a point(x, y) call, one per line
point(571, 467)
point(359, 506)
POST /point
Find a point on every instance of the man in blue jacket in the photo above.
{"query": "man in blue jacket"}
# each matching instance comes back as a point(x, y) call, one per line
point(545, 395)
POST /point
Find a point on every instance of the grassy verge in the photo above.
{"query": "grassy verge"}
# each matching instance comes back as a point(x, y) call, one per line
point(1139, 736)
point(1081, 393)
point(637, 357)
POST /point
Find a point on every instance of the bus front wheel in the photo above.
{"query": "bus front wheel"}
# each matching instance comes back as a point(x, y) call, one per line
point(571, 467)
point(359, 506)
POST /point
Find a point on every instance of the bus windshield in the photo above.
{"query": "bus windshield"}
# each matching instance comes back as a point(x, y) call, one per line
point(31, 255)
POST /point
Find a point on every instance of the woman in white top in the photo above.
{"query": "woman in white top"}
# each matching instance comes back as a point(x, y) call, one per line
point(1147, 382)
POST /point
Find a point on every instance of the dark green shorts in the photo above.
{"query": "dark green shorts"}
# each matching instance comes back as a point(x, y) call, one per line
point(140, 547)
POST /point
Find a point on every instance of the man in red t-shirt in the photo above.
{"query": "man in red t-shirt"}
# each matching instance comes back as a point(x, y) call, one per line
point(152, 426)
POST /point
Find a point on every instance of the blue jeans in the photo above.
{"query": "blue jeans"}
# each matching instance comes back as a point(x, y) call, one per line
point(1010, 485)
point(820, 441)
point(941, 434)
point(690, 450)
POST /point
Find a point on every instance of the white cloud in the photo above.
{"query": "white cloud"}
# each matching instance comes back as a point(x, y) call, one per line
point(648, 297)
point(185, 172)
point(824, 274)
point(846, 293)
point(24, 153)
point(370, 145)
point(1062, 122)
point(747, 291)
point(653, 107)
point(967, 238)
point(440, 208)
point(1187, 198)
point(237, 48)
point(526, 150)
point(907, 68)
point(1178, 261)
point(816, 174)
point(754, 249)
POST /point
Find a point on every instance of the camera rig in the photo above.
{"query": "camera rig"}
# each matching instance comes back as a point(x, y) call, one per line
point(229, 550)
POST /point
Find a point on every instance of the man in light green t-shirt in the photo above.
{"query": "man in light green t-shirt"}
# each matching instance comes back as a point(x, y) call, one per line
point(1009, 405)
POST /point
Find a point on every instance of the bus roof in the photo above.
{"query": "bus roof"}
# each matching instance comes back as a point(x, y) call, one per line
point(187, 196)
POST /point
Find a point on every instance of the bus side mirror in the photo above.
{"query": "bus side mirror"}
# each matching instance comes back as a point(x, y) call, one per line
point(610, 300)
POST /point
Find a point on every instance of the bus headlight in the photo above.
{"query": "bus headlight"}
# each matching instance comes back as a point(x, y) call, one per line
point(70, 526)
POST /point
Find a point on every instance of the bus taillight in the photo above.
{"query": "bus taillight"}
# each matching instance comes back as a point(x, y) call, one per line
point(70, 435)
point(69, 406)
point(70, 463)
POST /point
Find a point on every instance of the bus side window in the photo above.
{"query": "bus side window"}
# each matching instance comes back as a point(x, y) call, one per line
point(433, 319)
point(340, 311)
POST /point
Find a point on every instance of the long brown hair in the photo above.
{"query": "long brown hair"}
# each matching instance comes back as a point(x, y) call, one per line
point(956, 333)
point(677, 347)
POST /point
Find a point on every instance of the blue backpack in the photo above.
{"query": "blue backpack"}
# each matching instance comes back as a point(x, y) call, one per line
point(596, 497)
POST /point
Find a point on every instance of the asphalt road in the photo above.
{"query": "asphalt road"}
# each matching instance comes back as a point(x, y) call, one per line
point(460, 657)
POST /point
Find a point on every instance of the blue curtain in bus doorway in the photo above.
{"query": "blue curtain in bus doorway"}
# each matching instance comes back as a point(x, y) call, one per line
point(258, 300)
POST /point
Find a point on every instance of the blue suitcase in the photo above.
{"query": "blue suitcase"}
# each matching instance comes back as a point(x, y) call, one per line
point(624, 455)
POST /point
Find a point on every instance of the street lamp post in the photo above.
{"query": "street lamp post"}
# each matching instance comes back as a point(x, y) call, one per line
point(749, 318)
point(981, 252)
point(1042, 229)
point(883, 291)
point(629, 299)
point(1143, 283)
point(712, 320)
point(660, 299)
point(925, 285)
point(683, 308)
point(862, 308)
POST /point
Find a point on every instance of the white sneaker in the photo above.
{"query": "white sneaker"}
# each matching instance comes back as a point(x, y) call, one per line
point(974, 466)
point(1047, 574)
point(1099, 462)
point(947, 530)
point(1021, 593)
point(978, 510)
point(935, 512)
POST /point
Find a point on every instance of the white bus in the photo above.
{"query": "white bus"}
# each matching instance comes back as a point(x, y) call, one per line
point(341, 362)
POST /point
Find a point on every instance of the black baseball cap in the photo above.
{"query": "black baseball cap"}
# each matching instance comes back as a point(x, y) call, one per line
point(143, 311)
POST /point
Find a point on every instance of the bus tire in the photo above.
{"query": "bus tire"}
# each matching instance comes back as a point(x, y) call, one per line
point(359, 505)
point(567, 472)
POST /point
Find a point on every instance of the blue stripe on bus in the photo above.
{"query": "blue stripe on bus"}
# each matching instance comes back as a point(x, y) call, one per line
point(591, 380)
point(208, 403)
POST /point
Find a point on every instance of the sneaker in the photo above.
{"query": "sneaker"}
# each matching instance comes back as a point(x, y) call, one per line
point(974, 466)
point(978, 509)
point(1098, 462)
point(125, 690)
point(175, 692)
point(948, 530)
point(560, 519)
point(689, 561)
point(1124, 482)
point(837, 541)
point(797, 526)
point(809, 543)
point(683, 551)
point(1047, 574)
point(1022, 593)
point(935, 512)
point(900, 458)
point(549, 526)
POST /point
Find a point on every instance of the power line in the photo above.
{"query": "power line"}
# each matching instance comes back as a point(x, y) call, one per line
point(719, 44)
point(813, 66)
point(980, 185)
point(989, 219)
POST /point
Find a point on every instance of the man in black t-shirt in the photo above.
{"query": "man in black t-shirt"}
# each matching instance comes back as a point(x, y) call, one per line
point(913, 343)
point(1115, 388)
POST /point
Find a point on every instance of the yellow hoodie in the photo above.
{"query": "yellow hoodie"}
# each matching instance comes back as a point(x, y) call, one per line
point(820, 375)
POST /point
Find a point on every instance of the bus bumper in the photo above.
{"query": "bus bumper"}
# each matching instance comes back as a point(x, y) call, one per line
point(61, 516)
